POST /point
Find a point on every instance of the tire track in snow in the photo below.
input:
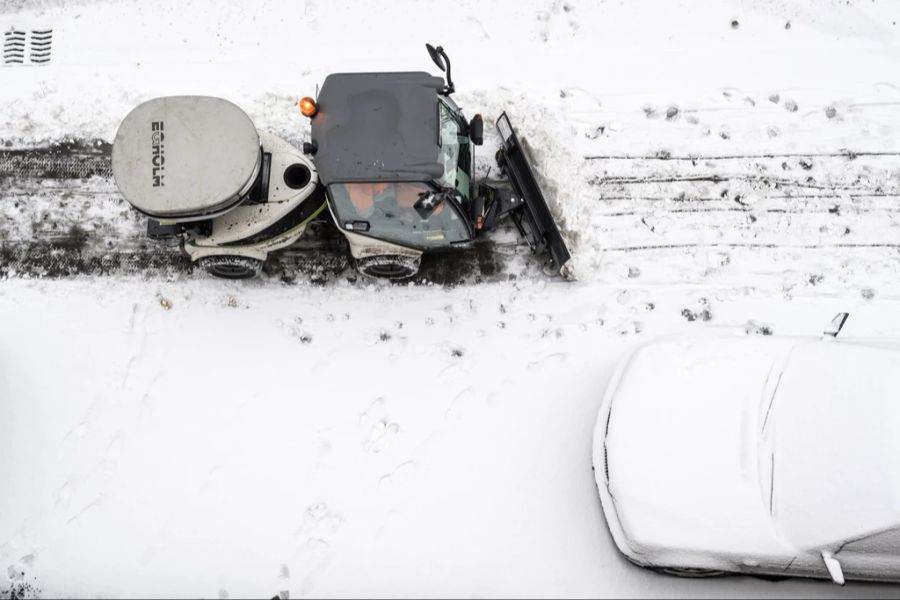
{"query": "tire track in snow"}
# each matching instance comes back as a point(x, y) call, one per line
point(695, 158)
point(73, 225)
point(712, 245)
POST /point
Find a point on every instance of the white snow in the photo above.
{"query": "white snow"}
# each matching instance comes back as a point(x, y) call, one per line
point(180, 436)
point(202, 447)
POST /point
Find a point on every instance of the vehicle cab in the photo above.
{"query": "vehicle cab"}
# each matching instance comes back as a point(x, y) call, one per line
point(396, 159)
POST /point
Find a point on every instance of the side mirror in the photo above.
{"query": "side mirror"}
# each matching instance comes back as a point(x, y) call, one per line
point(834, 328)
point(442, 61)
point(476, 130)
point(434, 53)
point(834, 567)
point(427, 203)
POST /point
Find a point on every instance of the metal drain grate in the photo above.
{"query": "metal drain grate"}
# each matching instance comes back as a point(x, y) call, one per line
point(35, 45)
point(14, 47)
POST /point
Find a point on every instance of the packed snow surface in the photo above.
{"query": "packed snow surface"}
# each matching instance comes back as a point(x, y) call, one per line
point(713, 164)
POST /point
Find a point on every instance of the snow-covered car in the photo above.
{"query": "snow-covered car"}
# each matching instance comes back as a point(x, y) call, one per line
point(764, 455)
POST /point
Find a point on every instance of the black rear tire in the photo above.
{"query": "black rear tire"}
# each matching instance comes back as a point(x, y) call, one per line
point(231, 267)
point(690, 573)
point(388, 266)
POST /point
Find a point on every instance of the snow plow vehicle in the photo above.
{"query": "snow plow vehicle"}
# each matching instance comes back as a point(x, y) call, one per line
point(390, 159)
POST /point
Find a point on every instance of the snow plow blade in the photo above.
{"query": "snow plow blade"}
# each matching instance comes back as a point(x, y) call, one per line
point(538, 226)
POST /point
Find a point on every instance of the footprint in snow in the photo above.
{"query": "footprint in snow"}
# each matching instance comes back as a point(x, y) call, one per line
point(635, 301)
point(650, 112)
point(757, 328)
point(319, 525)
point(380, 433)
point(379, 428)
point(311, 14)
point(550, 359)
point(630, 328)
point(63, 497)
point(693, 315)
point(458, 405)
point(113, 453)
point(399, 477)
point(702, 312)
point(484, 34)
point(376, 407)
point(643, 307)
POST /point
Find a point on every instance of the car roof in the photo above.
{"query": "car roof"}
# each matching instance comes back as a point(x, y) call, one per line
point(378, 127)
point(836, 417)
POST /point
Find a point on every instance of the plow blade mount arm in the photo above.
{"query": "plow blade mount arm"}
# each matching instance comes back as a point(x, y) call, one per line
point(538, 226)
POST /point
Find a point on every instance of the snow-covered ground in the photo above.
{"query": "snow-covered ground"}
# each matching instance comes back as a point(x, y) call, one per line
point(171, 435)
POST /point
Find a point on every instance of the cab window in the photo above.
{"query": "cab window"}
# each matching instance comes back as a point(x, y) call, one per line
point(455, 153)
point(388, 210)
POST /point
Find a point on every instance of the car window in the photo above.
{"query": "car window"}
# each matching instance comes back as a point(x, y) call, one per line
point(886, 542)
point(388, 210)
point(835, 417)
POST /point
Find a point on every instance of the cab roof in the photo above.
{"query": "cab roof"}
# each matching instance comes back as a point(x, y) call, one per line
point(378, 127)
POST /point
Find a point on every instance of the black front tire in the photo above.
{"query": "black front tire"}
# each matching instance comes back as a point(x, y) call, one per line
point(690, 573)
point(231, 267)
point(389, 266)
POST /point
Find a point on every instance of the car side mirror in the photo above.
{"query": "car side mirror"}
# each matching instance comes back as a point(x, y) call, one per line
point(834, 328)
point(834, 567)
point(476, 130)
point(427, 203)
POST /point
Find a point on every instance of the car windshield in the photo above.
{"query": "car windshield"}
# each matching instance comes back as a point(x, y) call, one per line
point(389, 211)
point(455, 153)
point(833, 421)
